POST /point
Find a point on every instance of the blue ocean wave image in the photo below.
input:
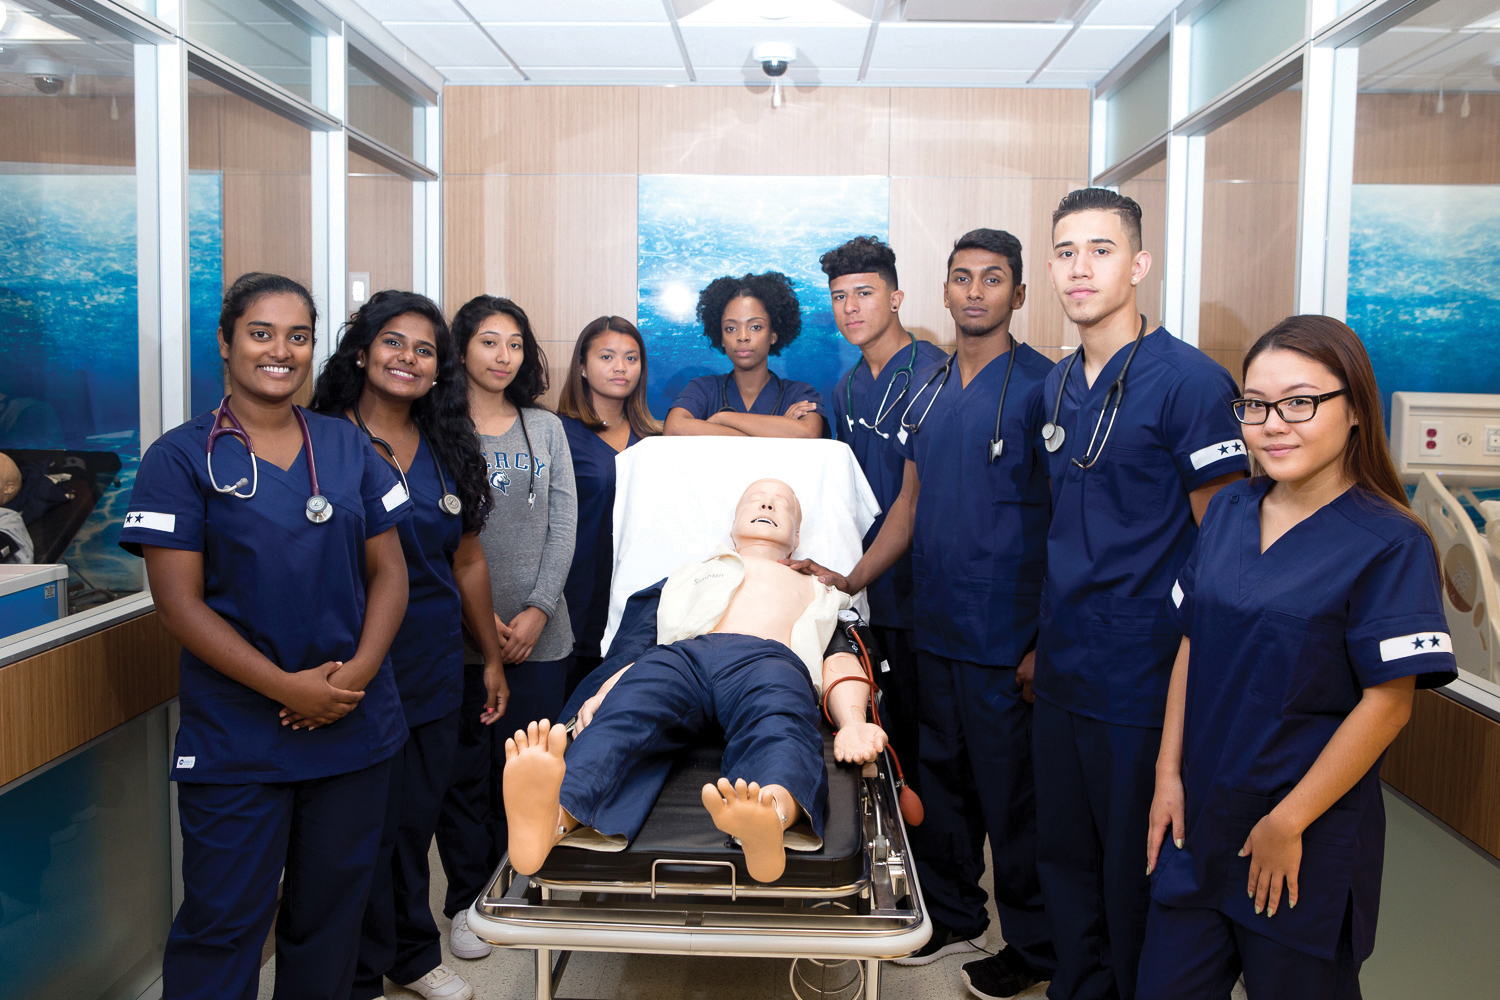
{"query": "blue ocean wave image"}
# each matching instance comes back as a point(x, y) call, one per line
point(693, 229)
point(1424, 285)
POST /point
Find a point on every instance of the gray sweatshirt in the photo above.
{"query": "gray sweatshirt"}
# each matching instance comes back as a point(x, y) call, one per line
point(530, 548)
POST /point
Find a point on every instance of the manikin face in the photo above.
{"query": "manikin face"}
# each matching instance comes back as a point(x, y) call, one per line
point(768, 512)
point(1296, 452)
point(864, 306)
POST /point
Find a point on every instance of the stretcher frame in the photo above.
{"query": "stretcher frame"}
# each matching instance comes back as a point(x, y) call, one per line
point(877, 918)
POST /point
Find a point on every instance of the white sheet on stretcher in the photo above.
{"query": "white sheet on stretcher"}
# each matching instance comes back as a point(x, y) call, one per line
point(675, 497)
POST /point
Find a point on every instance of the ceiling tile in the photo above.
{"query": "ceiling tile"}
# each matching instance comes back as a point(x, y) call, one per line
point(753, 12)
point(1097, 48)
point(819, 46)
point(946, 46)
point(480, 74)
point(588, 45)
point(449, 44)
point(949, 77)
point(608, 74)
point(795, 75)
point(1050, 77)
point(414, 10)
point(1142, 12)
point(566, 10)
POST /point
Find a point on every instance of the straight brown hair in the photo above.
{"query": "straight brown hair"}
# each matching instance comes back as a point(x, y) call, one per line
point(1367, 456)
point(577, 399)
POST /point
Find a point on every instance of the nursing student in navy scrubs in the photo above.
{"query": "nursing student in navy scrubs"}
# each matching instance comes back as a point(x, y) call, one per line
point(868, 403)
point(282, 576)
point(1144, 437)
point(1309, 611)
point(397, 376)
point(603, 410)
point(749, 319)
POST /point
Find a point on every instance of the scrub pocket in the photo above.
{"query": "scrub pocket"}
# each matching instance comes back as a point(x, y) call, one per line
point(1302, 667)
point(1132, 642)
point(1139, 484)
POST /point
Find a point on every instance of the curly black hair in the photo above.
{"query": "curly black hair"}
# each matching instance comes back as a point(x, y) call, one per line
point(861, 255)
point(531, 381)
point(773, 290)
point(442, 415)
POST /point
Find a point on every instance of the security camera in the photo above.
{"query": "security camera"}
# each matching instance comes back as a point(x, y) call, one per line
point(48, 85)
point(46, 75)
point(774, 57)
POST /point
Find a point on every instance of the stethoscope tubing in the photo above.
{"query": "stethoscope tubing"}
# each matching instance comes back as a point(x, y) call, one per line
point(997, 444)
point(318, 508)
point(724, 394)
point(1115, 394)
point(449, 502)
point(882, 411)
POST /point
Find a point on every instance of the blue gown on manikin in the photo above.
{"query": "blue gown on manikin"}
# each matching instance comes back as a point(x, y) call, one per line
point(1120, 532)
point(977, 567)
point(400, 938)
point(256, 796)
point(708, 394)
point(874, 445)
point(1283, 643)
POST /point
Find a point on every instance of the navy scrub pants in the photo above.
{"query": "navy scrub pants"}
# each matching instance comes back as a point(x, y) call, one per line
point(1094, 783)
point(472, 833)
point(400, 938)
point(900, 696)
point(236, 839)
point(1192, 953)
point(977, 779)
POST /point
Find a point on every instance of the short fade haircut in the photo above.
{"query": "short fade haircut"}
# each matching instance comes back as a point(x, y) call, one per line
point(1096, 199)
point(862, 255)
point(996, 241)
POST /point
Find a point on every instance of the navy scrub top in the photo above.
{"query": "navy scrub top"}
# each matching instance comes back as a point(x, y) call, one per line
point(979, 543)
point(293, 589)
point(1283, 644)
point(1122, 528)
point(587, 587)
point(890, 594)
point(428, 651)
point(705, 395)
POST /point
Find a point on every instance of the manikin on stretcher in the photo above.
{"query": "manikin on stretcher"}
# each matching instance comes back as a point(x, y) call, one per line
point(741, 645)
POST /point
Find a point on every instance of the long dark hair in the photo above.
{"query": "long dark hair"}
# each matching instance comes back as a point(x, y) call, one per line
point(577, 400)
point(442, 415)
point(250, 286)
point(531, 381)
point(1367, 457)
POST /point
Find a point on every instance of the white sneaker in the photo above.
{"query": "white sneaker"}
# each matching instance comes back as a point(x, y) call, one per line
point(463, 942)
point(443, 983)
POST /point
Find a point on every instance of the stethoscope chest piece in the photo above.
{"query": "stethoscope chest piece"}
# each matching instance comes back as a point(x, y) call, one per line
point(318, 508)
point(997, 448)
point(452, 504)
point(1052, 436)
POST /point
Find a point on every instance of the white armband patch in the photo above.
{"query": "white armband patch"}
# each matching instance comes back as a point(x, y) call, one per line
point(152, 520)
point(1403, 646)
point(1177, 594)
point(394, 498)
point(1215, 452)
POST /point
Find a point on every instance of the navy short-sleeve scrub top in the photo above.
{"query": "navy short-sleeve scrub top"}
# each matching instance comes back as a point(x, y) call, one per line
point(587, 587)
point(1283, 643)
point(293, 589)
point(708, 394)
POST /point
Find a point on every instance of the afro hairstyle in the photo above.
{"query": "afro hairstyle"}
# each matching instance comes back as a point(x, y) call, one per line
point(772, 289)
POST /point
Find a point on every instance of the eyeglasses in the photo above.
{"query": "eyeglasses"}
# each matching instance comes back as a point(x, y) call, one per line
point(1292, 409)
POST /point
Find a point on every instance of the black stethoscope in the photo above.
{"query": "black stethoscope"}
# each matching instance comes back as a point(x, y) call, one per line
point(498, 476)
point(1052, 433)
point(997, 444)
point(724, 395)
point(449, 502)
point(882, 411)
point(318, 509)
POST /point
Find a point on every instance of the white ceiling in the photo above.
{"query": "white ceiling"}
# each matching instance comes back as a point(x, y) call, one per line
point(1067, 43)
point(1453, 45)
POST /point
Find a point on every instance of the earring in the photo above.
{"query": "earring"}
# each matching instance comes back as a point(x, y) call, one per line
point(434, 381)
point(359, 364)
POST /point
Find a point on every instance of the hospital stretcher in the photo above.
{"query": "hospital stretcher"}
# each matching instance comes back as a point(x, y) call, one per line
point(681, 886)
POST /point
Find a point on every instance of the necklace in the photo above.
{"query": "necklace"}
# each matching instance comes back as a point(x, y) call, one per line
point(408, 433)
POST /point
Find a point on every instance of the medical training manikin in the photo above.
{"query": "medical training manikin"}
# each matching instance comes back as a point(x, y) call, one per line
point(741, 642)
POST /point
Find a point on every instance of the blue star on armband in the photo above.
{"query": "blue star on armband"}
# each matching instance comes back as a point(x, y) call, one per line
point(1417, 643)
point(1223, 449)
point(1238, 448)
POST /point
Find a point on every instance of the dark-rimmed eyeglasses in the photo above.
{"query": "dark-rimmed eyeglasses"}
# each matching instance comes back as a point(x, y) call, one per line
point(1292, 409)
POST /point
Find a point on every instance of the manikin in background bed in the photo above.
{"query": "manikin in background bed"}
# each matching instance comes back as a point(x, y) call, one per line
point(741, 641)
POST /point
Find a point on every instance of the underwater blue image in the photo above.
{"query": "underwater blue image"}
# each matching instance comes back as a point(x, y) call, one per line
point(205, 288)
point(693, 229)
point(1424, 286)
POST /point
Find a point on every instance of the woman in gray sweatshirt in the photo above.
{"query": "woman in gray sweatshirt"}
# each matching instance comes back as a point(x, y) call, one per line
point(528, 542)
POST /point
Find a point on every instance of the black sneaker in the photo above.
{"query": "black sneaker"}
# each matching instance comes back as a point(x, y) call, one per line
point(1000, 976)
point(944, 942)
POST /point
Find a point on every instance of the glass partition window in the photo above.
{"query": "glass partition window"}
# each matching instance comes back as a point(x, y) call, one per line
point(264, 38)
point(1149, 189)
point(69, 315)
point(1249, 262)
point(1137, 111)
point(249, 209)
point(383, 112)
point(380, 227)
point(1237, 37)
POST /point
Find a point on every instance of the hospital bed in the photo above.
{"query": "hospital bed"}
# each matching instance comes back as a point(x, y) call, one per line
point(681, 886)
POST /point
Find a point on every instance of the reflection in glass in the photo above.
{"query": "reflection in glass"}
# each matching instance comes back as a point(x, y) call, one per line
point(1238, 37)
point(381, 111)
point(264, 38)
point(1137, 111)
point(380, 224)
point(1149, 189)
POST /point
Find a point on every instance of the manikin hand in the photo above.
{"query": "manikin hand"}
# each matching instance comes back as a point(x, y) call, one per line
point(859, 743)
point(1024, 674)
point(586, 712)
point(823, 573)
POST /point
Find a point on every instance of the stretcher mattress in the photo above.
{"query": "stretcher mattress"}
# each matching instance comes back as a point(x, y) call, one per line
point(679, 829)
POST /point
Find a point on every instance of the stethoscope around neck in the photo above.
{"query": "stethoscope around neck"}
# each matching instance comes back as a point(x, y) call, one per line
point(883, 410)
point(997, 443)
point(317, 508)
point(724, 394)
point(1053, 434)
point(450, 503)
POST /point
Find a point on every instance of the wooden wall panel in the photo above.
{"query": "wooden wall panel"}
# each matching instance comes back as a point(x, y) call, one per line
point(60, 129)
point(1447, 760)
point(734, 130)
point(61, 699)
point(540, 130)
point(1401, 139)
point(1149, 189)
point(929, 213)
point(989, 133)
point(380, 220)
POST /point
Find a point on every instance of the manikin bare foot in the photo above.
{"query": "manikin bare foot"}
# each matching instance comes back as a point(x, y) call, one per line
point(534, 772)
point(748, 812)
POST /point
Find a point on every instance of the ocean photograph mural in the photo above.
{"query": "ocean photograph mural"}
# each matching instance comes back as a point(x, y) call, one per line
point(693, 229)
